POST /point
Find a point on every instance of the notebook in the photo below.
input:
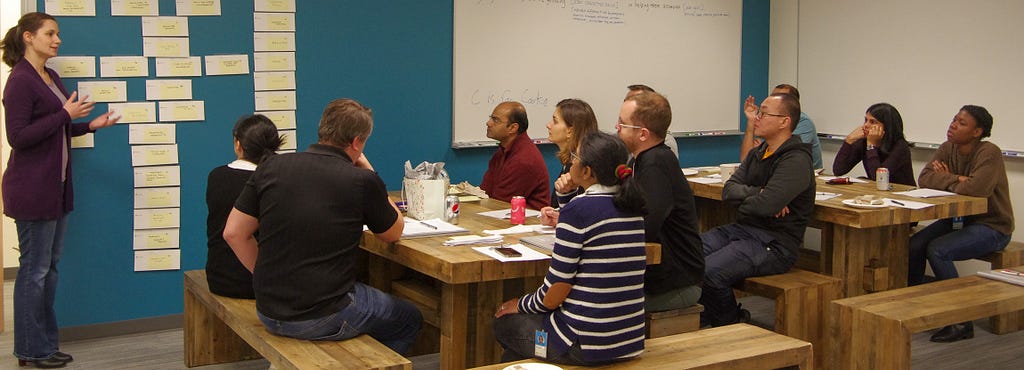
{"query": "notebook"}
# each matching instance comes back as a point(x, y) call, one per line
point(543, 241)
point(1006, 275)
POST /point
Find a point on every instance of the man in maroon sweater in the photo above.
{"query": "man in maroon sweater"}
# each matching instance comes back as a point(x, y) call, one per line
point(517, 168)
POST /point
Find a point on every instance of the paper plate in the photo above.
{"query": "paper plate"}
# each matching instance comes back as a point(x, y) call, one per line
point(854, 204)
point(690, 172)
point(532, 366)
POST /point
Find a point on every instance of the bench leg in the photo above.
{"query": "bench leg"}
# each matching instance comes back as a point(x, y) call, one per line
point(1007, 322)
point(208, 340)
point(803, 314)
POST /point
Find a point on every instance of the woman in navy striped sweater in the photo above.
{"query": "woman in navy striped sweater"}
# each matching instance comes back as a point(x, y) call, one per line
point(590, 309)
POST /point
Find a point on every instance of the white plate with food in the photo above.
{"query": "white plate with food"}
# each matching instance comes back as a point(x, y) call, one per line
point(853, 203)
point(532, 366)
point(690, 171)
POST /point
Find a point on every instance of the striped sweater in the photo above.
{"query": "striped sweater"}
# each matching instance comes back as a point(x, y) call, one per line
point(600, 252)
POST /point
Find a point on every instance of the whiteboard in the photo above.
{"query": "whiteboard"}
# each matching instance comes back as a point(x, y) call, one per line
point(539, 52)
point(926, 57)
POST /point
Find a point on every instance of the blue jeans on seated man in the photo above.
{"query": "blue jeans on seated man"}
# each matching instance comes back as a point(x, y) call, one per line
point(940, 245)
point(732, 253)
point(392, 321)
point(35, 324)
point(516, 333)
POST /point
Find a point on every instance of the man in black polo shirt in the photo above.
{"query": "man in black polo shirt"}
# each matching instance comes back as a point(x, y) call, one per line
point(309, 209)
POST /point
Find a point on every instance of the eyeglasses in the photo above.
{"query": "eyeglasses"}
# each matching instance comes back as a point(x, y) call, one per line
point(760, 114)
point(620, 125)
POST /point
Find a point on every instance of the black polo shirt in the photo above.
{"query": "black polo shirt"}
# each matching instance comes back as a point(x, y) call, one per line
point(311, 208)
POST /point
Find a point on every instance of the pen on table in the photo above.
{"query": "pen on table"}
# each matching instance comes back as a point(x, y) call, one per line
point(428, 225)
point(897, 202)
point(1011, 272)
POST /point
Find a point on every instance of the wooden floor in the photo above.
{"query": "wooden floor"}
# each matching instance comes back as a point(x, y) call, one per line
point(163, 349)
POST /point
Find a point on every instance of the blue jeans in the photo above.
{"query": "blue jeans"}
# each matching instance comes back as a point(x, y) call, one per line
point(940, 245)
point(390, 320)
point(35, 323)
point(515, 333)
point(732, 253)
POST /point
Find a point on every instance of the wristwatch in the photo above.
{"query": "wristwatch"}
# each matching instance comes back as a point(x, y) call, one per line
point(871, 147)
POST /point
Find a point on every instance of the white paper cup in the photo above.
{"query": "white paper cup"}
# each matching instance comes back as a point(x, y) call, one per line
point(727, 169)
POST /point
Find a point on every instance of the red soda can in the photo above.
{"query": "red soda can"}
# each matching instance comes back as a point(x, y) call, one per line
point(518, 214)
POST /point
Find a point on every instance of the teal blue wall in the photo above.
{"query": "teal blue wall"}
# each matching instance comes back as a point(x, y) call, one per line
point(394, 56)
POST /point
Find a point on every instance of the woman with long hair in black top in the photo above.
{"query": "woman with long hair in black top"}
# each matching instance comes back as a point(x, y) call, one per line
point(255, 139)
point(878, 142)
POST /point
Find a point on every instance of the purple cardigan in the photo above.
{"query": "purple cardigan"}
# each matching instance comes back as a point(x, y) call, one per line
point(32, 189)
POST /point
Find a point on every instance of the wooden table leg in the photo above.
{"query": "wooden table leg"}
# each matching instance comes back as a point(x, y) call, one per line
point(857, 255)
point(454, 323)
point(484, 349)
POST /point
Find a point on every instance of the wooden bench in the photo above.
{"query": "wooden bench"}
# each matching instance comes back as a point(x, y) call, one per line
point(874, 331)
point(220, 329)
point(801, 304)
point(739, 346)
point(1012, 255)
point(672, 322)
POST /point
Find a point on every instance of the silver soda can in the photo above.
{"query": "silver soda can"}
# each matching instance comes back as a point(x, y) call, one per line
point(882, 178)
point(451, 209)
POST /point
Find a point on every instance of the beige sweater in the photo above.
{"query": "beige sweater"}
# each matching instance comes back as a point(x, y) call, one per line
point(987, 178)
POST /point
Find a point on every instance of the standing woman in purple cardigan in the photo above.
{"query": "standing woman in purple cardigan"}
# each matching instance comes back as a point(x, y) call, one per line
point(37, 183)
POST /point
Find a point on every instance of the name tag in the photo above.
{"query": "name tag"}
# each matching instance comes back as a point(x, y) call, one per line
point(540, 344)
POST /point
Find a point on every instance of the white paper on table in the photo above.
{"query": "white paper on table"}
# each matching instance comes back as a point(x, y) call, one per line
point(157, 218)
point(151, 133)
point(157, 197)
point(152, 155)
point(283, 119)
point(157, 176)
point(189, 110)
point(134, 112)
point(517, 229)
point(906, 203)
point(528, 254)
point(274, 5)
point(705, 180)
point(416, 228)
point(852, 179)
point(124, 67)
point(155, 239)
point(165, 26)
point(158, 260)
point(78, 67)
point(168, 89)
point(273, 41)
point(924, 193)
point(473, 239)
point(541, 229)
point(71, 8)
point(83, 141)
point(103, 91)
point(197, 7)
point(275, 100)
point(824, 195)
point(234, 64)
point(134, 8)
point(273, 22)
point(263, 81)
point(274, 61)
point(179, 67)
point(504, 214)
point(165, 47)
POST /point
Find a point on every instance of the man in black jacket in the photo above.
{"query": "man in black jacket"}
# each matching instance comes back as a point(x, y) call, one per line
point(774, 190)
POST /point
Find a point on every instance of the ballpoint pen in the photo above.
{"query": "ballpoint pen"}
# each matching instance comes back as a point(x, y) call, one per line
point(428, 225)
point(897, 202)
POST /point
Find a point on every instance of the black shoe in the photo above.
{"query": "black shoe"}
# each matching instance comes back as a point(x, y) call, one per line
point(61, 356)
point(744, 316)
point(46, 363)
point(955, 332)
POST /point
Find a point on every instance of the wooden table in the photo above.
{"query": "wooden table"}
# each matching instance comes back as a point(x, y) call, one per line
point(471, 284)
point(867, 248)
point(874, 331)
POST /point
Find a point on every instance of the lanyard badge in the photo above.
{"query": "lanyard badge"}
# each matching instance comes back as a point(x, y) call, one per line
point(540, 344)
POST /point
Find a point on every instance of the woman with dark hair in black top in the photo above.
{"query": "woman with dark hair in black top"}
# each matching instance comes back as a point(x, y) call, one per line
point(879, 142)
point(255, 138)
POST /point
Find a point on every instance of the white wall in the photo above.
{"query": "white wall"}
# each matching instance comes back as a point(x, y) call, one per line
point(784, 67)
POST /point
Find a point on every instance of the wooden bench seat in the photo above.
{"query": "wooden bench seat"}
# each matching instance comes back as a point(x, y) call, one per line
point(1012, 255)
point(801, 304)
point(739, 346)
point(874, 331)
point(672, 322)
point(220, 329)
